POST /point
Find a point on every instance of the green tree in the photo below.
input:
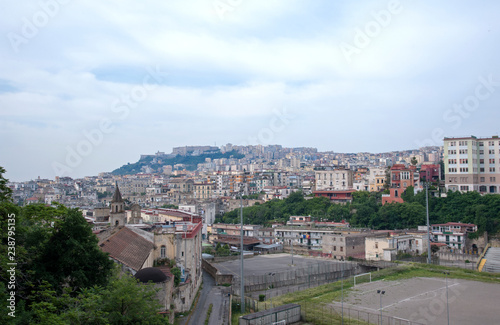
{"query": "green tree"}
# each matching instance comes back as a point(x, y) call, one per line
point(408, 195)
point(5, 191)
point(129, 302)
point(71, 256)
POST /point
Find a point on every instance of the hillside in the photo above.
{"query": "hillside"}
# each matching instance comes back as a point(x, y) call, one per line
point(156, 164)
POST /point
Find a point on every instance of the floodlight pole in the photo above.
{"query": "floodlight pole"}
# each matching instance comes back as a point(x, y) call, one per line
point(342, 296)
point(428, 225)
point(447, 305)
point(381, 292)
point(241, 252)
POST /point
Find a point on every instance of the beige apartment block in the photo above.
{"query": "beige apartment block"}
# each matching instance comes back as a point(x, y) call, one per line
point(472, 164)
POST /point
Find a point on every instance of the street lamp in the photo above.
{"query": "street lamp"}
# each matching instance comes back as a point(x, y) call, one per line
point(242, 289)
point(268, 287)
point(428, 225)
point(447, 306)
point(342, 288)
point(381, 292)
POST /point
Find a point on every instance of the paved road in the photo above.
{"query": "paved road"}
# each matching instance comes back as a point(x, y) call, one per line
point(211, 294)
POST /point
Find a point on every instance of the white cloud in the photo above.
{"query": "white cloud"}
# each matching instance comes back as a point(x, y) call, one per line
point(223, 78)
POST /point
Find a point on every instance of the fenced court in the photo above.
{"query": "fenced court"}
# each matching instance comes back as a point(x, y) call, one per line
point(423, 301)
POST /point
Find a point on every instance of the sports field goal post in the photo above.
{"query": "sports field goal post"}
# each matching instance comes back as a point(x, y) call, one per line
point(362, 274)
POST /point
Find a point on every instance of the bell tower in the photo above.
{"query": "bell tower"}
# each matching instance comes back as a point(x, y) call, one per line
point(117, 214)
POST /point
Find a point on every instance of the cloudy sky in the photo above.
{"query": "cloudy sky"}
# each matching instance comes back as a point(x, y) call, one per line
point(87, 86)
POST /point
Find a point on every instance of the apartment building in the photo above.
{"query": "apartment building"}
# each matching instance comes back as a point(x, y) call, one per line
point(334, 179)
point(472, 164)
point(401, 178)
point(385, 247)
point(453, 234)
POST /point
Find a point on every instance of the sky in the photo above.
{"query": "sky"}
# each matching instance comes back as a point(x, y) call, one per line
point(87, 86)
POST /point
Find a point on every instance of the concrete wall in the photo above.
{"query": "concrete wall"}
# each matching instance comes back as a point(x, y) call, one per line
point(290, 313)
point(219, 278)
point(457, 257)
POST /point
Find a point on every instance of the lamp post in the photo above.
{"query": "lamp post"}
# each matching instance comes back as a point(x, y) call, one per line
point(428, 225)
point(381, 292)
point(342, 295)
point(241, 252)
point(268, 287)
point(447, 305)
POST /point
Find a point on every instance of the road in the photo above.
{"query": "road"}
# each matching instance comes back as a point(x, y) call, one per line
point(210, 294)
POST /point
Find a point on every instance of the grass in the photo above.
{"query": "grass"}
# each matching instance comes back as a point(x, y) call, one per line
point(314, 301)
point(209, 311)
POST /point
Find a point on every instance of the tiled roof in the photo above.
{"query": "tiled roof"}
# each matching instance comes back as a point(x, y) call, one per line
point(128, 248)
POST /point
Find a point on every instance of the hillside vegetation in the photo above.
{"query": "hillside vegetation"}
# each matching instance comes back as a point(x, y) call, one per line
point(366, 210)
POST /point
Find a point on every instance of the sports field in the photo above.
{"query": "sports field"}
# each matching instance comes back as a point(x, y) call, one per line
point(423, 300)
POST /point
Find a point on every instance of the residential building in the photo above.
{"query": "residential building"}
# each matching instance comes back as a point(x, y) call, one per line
point(385, 247)
point(472, 164)
point(453, 234)
point(339, 179)
point(341, 197)
point(401, 178)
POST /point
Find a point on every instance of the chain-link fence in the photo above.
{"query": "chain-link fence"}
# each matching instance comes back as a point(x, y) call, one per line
point(297, 279)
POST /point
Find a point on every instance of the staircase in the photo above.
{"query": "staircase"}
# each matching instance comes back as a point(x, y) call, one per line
point(492, 258)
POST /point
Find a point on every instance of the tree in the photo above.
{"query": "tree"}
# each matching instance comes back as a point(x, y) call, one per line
point(5, 191)
point(408, 195)
point(413, 161)
point(129, 302)
point(71, 256)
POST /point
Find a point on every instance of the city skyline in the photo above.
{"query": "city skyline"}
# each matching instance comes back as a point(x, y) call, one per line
point(112, 81)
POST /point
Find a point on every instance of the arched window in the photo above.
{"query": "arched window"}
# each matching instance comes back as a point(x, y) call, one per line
point(117, 223)
point(163, 251)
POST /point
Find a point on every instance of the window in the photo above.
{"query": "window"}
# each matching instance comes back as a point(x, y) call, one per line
point(481, 152)
point(341, 248)
point(492, 169)
point(334, 248)
point(491, 143)
point(492, 161)
point(481, 161)
point(376, 245)
point(163, 251)
point(492, 151)
point(452, 143)
point(492, 179)
point(481, 144)
point(482, 179)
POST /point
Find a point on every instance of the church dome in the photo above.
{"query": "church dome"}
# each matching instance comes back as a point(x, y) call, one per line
point(152, 274)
